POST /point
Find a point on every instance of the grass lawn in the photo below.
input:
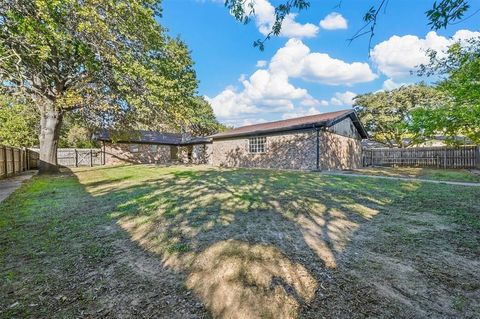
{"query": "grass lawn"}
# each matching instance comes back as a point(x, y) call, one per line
point(455, 175)
point(178, 242)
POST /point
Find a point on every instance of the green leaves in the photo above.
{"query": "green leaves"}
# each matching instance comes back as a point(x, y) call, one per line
point(386, 114)
point(242, 10)
point(446, 12)
point(460, 68)
point(108, 60)
point(440, 16)
point(18, 123)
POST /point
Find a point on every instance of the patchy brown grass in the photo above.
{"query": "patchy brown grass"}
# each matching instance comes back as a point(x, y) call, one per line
point(143, 241)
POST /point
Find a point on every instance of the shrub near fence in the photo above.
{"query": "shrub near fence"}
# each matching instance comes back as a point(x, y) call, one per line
point(440, 157)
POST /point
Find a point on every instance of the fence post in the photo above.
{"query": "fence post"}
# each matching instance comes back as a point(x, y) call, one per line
point(103, 153)
point(445, 158)
point(27, 164)
point(5, 164)
point(13, 160)
point(91, 158)
point(76, 158)
point(478, 157)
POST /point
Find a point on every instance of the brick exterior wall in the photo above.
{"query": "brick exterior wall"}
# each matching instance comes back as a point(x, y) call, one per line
point(116, 153)
point(155, 154)
point(340, 147)
point(200, 154)
point(193, 154)
point(339, 152)
point(287, 151)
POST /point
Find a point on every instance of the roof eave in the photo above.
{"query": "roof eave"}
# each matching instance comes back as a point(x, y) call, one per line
point(274, 130)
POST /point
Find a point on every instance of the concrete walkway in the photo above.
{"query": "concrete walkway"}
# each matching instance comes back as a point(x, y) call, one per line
point(409, 179)
point(9, 185)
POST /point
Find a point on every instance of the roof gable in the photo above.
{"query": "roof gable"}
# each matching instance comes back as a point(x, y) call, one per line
point(298, 123)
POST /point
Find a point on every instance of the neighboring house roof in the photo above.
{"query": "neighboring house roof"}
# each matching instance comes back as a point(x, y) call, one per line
point(298, 123)
point(197, 140)
point(152, 137)
point(372, 144)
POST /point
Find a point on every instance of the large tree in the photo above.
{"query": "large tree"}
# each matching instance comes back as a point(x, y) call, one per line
point(203, 121)
point(459, 69)
point(442, 13)
point(107, 60)
point(386, 114)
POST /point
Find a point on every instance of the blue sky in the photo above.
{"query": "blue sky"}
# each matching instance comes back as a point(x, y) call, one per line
point(311, 68)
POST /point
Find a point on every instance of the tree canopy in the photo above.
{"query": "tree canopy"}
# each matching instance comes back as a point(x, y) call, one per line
point(108, 61)
point(18, 122)
point(442, 13)
point(459, 69)
point(387, 114)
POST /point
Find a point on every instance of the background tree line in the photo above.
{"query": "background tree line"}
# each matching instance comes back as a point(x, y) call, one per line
point(411, 115)
point(69, 66)
point(94, 63)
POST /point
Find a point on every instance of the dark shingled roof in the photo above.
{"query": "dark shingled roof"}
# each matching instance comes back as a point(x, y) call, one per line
point(298, 123)
point(152, 137)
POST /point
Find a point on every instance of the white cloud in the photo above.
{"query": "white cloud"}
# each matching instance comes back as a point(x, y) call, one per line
point(324, 103)
point(230, 103)
point(261, 64)
point(293, 29)
point(296, 59)
point(268, 90)
point(343, 99)
point(463, 35)
point(265, 18)
point(299, 113)
point(397, 56)
point(389, 85)
point(334, 21)
point(313, 102)
point(263, 91)
point(247, 121)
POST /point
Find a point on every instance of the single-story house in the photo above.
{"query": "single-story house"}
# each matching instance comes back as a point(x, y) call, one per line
point(327, 141)
point(149, 147)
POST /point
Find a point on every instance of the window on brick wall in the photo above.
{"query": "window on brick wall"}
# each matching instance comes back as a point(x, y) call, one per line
point(257, 144)
point(154, 148)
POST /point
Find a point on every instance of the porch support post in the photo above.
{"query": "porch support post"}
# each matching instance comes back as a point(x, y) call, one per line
point(318, 149)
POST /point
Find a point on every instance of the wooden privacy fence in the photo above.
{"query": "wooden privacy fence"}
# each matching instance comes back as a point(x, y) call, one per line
point(12, 161)
point(440, 157)
point(75, 157)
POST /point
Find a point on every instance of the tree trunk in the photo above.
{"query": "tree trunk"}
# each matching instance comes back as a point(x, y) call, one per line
point(50, 123)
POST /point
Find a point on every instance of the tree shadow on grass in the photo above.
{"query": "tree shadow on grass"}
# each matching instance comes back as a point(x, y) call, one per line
point(247, 243)
point(251, 243)
point(62, 257)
